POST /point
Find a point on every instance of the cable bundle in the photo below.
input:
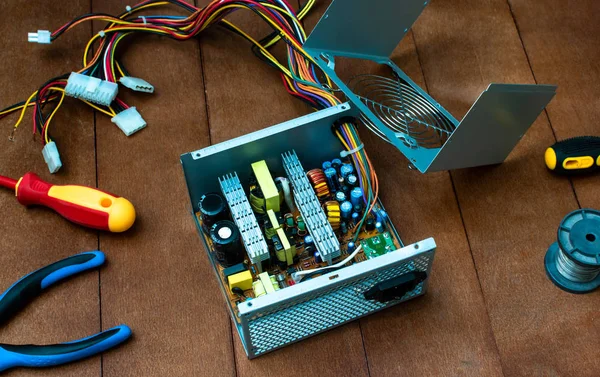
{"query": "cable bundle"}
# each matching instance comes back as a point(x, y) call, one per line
point(301, 76)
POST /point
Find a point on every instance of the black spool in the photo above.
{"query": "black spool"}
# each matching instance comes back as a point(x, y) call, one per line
point(213, 208)
point(226, 243)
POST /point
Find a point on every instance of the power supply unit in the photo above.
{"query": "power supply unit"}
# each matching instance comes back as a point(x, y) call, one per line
point(286, 269)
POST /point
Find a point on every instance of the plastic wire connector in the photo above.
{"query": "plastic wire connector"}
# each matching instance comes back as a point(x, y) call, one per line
point(137, 84)
point(52, 157)
point(129, 121)
point(91, 89)
point(42, 37)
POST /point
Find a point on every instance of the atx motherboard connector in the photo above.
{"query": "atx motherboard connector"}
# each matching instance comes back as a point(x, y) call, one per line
point(91, 89)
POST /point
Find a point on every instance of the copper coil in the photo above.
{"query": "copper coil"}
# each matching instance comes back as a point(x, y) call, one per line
point(332, 210)
point(316, 177)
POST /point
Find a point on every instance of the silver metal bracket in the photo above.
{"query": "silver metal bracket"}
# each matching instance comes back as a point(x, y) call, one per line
point(402, 113)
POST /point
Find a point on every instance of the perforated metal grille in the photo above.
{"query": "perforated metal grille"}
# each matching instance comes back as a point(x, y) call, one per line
point(326, 309)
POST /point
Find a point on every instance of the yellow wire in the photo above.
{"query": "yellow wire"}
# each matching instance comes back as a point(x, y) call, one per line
point(53, 111)
point(25, 108)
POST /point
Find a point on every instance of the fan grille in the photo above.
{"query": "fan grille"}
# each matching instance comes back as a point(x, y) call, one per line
point(401, 108)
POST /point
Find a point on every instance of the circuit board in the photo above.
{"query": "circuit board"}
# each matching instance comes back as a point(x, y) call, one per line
point(378, 245)
point(275, 270)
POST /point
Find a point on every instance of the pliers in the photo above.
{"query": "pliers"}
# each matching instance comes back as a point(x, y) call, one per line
point(25, 290)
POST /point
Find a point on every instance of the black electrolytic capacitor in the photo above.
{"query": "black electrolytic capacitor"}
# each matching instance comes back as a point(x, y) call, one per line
point(370, 225)
point(212, 208)
point(226, 243)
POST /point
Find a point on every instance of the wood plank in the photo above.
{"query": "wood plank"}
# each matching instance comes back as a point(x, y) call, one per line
point(451, 318)
point(159, 281)
point(511, 211)
point(561, 40)
point(33, 238)
point(245, 95)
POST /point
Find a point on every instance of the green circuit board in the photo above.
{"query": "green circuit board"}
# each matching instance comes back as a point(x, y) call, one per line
point(378, 245)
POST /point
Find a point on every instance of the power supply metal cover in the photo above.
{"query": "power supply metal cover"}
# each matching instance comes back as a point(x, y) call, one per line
point(329, 303)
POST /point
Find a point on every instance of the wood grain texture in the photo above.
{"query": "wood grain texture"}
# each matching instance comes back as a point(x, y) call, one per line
point(159, 280)
point(33, 238)
point(511, 211)
point(561, 40)
point(245, 95)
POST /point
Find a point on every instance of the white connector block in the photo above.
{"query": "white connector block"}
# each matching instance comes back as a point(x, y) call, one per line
point(136, 84)
point(91, 89)
point(129, 121)
point(52, 158)
point(42, 37)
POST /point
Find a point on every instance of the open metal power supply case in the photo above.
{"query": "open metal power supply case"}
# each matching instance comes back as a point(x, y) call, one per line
point(397, 110)
point(310, 307)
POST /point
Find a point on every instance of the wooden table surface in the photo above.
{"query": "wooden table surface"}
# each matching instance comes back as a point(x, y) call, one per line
point(490, 309)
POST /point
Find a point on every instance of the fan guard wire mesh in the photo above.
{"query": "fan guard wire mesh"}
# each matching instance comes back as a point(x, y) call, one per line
point(403, 110)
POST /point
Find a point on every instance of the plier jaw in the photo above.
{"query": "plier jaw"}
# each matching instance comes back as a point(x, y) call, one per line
point(30, 286)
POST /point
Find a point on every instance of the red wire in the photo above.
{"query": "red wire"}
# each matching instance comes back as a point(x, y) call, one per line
point(9, 183)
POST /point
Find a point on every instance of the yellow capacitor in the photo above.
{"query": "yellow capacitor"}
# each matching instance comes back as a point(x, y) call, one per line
point(267, 185)
point(241, 280)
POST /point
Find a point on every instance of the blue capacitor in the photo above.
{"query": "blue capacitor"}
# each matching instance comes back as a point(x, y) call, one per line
point(345, 210)
point(346, 169)
point(381, 216)
point(356, 196)
point(355, 217)
point(351, 246)
point(318, 258)
point(379, 226)
point(332, 179)
point(340, 196)
point(326, 165)
point(344, 228)
point(351, 180)
point(336, 163)
point(308, 241)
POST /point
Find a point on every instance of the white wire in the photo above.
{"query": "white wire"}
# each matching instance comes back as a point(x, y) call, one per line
point(283, 4)
point(297, 276)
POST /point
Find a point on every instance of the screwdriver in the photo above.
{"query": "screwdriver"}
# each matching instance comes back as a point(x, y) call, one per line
point(578, 155)
point(81, 205)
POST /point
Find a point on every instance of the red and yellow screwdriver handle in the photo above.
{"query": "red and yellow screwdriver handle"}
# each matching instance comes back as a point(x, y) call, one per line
point(82, 205)
point(574, 156)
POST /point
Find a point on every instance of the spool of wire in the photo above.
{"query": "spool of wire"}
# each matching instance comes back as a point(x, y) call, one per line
point(573, 262)
point(316, 177)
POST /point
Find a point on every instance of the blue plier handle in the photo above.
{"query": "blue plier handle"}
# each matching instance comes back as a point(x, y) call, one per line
point(25, 290)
